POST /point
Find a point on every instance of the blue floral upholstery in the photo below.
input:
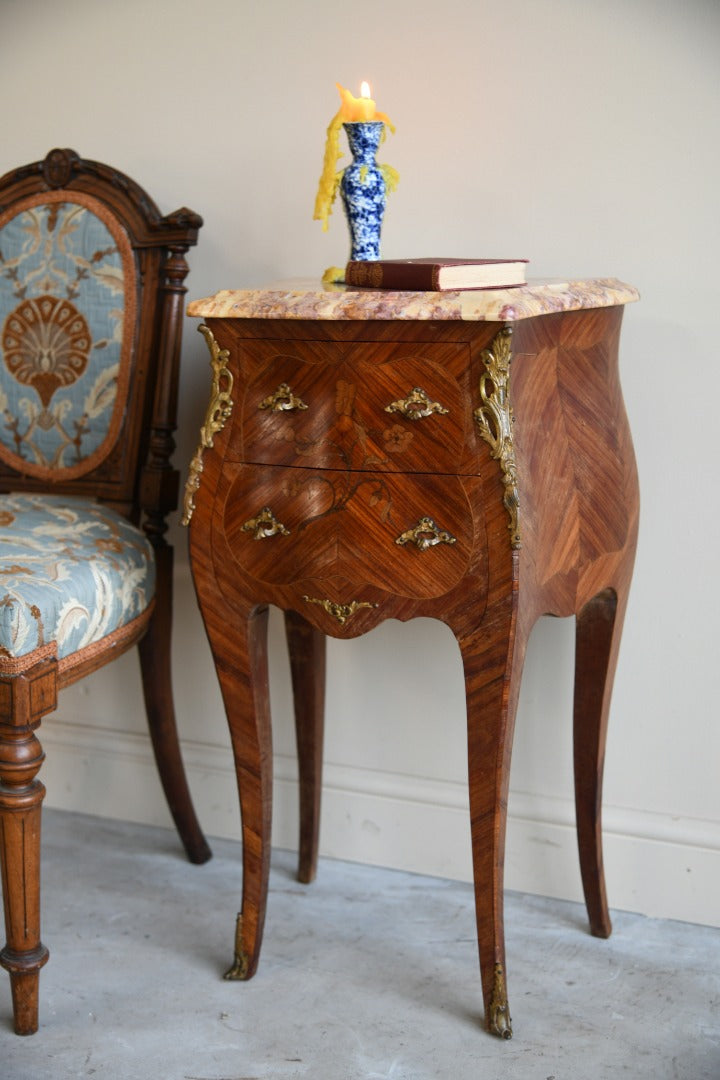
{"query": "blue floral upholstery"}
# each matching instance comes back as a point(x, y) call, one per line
point(72, 572)
point(64, 279)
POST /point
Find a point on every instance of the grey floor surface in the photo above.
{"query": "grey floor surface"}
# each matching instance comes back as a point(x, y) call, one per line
point(365, 975)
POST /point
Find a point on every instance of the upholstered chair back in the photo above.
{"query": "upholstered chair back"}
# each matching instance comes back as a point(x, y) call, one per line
point(66, 308)
point(85, 256)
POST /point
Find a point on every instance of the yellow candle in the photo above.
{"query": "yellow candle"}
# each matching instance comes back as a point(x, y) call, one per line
point(363, 108)
point(359, 109)
point(352, 110)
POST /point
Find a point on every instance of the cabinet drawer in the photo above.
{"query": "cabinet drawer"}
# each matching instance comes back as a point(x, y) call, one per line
point(386, 406)
point(410, 535)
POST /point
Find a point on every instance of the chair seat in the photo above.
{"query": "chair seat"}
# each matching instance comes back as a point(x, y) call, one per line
point(72, 572)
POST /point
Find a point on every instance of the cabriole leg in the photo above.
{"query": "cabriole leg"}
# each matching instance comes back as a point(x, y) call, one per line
point(242, 670)
point(492, 663)
point(597, 642)
point(307, 650)
point(238, 640)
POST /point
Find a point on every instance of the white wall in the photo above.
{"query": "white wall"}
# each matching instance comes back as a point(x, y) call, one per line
point(584, 136)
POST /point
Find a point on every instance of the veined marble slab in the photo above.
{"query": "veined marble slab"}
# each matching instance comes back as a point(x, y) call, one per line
point(313, 300)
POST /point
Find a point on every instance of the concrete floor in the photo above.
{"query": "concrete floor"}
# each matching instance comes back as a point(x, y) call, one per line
point(366, 975)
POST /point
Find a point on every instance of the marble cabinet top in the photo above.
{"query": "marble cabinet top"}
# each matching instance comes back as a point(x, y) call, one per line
point(308, 299)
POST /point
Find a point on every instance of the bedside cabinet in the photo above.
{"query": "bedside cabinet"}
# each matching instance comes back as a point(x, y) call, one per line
point(370, 455)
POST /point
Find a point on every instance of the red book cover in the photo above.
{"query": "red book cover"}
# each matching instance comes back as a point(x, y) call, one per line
point(434, 275)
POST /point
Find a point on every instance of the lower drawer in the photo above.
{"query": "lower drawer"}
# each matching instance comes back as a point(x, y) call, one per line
point(413, 535)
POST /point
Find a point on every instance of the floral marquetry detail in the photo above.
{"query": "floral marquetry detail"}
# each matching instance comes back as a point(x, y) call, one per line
point(397, 439)
point(46, 343)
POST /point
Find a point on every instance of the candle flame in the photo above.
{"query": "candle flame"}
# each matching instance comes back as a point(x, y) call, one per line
point(365, 90)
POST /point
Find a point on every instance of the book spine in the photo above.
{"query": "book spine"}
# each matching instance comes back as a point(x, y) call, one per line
point(379, 275)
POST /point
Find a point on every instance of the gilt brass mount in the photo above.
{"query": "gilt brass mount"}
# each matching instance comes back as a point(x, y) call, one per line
point(425, 534)
point(218, 413)
point(494, 419)
point(416, 405)
point(341, 612)
point(499, 1021)
point(265, 524)
point(282, 400)
point(241, 961)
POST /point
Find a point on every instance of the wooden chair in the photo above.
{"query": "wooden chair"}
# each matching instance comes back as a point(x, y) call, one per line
point(91, 296)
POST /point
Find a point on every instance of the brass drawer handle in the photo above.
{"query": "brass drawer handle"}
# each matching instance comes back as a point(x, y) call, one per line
point(265, 524)
point(426, 534)
point(282, 400)
point(416, 405)
point(341, 612)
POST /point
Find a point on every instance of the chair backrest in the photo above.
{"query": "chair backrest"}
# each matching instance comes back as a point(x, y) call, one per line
point(91, 299)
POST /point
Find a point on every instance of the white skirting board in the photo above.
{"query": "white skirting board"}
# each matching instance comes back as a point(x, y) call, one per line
point(655, 864)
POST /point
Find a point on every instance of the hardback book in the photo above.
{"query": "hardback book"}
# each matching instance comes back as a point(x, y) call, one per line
point(433, 275)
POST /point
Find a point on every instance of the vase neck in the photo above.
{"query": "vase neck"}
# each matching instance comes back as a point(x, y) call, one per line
point(364, 139)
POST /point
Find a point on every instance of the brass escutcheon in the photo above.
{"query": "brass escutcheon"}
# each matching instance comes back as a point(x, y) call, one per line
point(426, 534)
point(416, 405)
point(265, 524)
point(282, 400)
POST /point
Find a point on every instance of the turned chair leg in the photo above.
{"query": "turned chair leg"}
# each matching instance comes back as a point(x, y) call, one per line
point(23, 701)
point(154, 650)
point(597, 641)
point(307, 650)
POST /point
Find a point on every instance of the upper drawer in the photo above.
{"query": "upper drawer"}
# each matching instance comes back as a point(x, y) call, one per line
point(376, 405)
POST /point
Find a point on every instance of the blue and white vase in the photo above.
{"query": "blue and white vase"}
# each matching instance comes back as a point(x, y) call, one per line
point(363, 190)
